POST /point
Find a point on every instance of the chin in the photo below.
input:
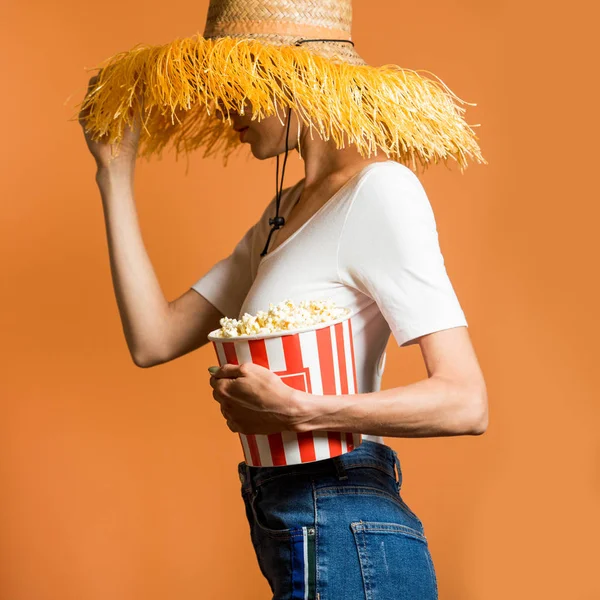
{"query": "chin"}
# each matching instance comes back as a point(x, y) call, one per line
point(261, 153)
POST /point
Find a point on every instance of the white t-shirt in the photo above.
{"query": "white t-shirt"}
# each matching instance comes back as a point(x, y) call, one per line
point(373, 247)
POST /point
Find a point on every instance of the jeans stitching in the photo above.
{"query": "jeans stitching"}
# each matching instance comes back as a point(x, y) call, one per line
point(316, 515)
point(381, 526)
point(333, 490)
point(432, 571)
point(317, 471)
point(363, 560)
point(378, 466)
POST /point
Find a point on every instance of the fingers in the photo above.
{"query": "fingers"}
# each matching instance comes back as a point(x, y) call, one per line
point(221, 390)
point(228, 371)
point(224, 412)
point(220, 393)
point(221, 378)
point(230, 423)
point(222, 401)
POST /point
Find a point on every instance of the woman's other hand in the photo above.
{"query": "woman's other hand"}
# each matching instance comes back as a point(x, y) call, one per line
point(256, 401)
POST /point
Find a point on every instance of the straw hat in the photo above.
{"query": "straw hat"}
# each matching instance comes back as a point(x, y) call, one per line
point(261, 51)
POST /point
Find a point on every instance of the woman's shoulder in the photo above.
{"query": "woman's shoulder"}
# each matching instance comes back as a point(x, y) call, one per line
point(389, 172)
point(389, 187)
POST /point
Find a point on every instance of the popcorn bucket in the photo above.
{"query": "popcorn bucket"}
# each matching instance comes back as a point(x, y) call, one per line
point(318, 360)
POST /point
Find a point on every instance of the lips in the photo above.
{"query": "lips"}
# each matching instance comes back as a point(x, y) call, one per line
point(242, 133)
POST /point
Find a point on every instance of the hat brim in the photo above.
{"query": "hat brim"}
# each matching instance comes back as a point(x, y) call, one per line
point(177, 87)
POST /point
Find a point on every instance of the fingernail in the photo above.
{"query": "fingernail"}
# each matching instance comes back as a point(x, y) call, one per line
point(213, 370)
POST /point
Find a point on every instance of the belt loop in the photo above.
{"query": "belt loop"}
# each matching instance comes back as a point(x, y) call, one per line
point(340, 468)
point(398, 470)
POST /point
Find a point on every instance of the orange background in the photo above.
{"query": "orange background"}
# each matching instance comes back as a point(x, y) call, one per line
point(120, 483)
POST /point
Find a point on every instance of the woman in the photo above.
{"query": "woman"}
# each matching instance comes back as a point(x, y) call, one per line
point(369, 540)
point(356, 229)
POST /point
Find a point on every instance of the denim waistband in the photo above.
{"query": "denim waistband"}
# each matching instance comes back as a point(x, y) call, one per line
point(368, 453)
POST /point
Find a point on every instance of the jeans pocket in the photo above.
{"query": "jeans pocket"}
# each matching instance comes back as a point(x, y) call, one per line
point(395, 561)
point(269, 523)
point(281, 506)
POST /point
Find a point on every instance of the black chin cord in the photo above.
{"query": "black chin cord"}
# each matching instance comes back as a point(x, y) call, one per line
point(278, 222)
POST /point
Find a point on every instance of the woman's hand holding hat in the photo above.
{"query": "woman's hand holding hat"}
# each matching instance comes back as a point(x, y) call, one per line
point(101, 149)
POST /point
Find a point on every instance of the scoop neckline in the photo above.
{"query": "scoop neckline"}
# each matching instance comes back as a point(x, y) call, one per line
point(300, 185)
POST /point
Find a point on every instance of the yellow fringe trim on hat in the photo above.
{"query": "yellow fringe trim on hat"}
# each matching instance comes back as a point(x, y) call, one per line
point(411, 118)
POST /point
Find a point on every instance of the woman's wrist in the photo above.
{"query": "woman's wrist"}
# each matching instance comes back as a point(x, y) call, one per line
point(307, 408)
point(115, 182)
point(115, 171)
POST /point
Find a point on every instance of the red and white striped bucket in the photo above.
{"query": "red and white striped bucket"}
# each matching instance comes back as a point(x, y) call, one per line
point(319, 360)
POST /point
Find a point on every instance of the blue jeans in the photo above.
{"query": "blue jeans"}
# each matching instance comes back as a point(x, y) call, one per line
point(338, 529)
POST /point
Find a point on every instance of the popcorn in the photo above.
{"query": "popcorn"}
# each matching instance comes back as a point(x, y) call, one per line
point(285, 316)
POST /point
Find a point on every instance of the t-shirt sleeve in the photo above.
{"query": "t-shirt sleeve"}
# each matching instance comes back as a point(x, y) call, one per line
point(228, 282)
point(389, 250)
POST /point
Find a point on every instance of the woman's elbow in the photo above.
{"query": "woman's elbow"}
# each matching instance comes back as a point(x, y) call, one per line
point(478, 423)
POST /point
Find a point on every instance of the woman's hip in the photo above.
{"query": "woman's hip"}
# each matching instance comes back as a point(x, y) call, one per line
point(338, 528)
